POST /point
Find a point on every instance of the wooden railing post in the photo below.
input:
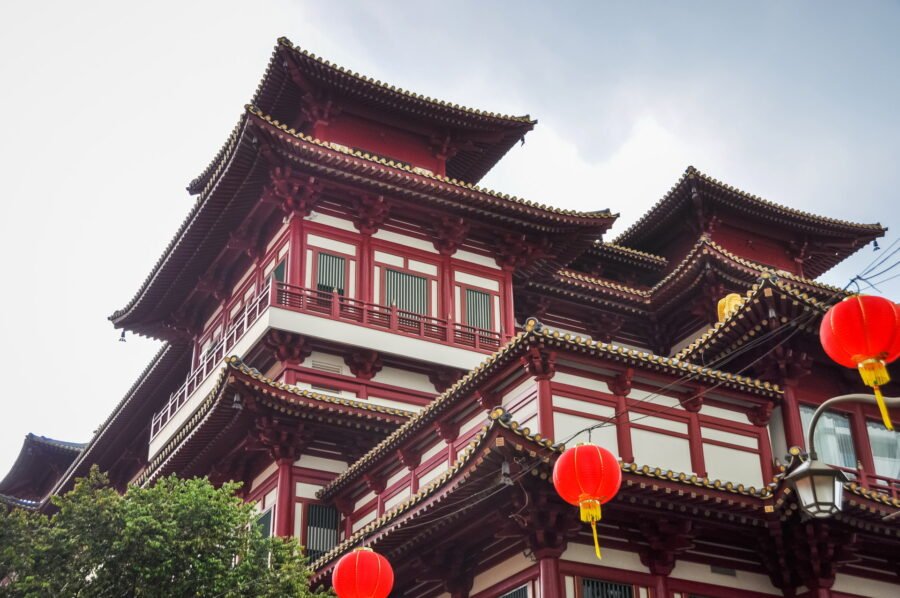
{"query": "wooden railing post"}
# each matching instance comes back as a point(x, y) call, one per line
point(335, 304)
point(392, 322)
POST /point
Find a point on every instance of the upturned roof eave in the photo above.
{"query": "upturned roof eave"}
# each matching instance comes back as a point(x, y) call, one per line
point(535, 332)
point(267, 97)
point(676, 196)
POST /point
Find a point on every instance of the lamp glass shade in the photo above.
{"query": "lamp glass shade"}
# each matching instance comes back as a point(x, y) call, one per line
point(819, 489)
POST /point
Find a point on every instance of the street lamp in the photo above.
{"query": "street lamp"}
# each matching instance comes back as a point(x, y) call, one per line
point(819, 487)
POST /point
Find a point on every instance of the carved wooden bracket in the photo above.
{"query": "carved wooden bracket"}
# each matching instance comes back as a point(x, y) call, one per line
point(443, 378)
point(293, 191)
point(371, 213)
point(364, 363)
point(374, 483)
point(666, 540)
point(409, 458)
point(539, 363)
point(449, 234)
point(518, 251)
point(447, 430)
point(761, 414)
point(603, 327)
point(692, 400)
point(282, 439)
point(487, 400)
point(288, 347)
point(621, 384)
point(345, 505)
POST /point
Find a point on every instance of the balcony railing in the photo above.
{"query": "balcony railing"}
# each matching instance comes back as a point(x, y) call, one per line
point(337, 307)
point(330, 305)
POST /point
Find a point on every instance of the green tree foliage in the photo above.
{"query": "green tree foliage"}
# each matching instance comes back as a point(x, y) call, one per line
point(175, 538)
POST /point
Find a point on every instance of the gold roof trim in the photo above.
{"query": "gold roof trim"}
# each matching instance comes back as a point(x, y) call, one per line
point(285, 42)
point(375, 159)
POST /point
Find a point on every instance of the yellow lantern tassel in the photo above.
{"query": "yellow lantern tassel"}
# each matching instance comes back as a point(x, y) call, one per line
point(590, 513)
point(875, 374)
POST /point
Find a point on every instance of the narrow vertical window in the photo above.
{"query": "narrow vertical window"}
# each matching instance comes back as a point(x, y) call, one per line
point(330, 273)
point(278, 271)
point(322, 530)
point(595, 588)
point(885, 450)
point(406, 291)
point(478, 309)
point(264, 522)
point(834, 441)
point(520, 592)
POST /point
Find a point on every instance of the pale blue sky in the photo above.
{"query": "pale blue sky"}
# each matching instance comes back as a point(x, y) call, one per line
point(111, 108)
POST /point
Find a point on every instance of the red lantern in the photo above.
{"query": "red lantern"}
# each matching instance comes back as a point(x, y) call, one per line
point(588, 476)
point(863, 332)
point(363, 574)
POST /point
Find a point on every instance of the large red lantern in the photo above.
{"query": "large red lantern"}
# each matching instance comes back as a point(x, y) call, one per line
point(863, 332)
point(588, 476)
point(363, 574)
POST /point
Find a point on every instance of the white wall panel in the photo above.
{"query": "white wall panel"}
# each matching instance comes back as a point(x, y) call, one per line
point(730, 437)
point(339, 223)
point(304, 490)
point(864, 587)
point(404, 379)
point(423, 267)
point(500, 572)
point(477, 281)
point(365, 520)
point(580, 382)
point(742, 580)
point(618, 559)
point(583, 406)
point(433, 473)
point(661, 450)
point(434, 450)
point(476, 258)
point(332, 244)
point(566, 428)
point(321, 463)
point(397, 499)
point(389, 258)
point(405, 240)
point(732, 465)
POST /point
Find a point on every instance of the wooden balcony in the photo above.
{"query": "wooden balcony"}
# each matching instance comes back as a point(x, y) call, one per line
point(331, 306)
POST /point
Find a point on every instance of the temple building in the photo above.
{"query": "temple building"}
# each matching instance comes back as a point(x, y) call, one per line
point(385, 352)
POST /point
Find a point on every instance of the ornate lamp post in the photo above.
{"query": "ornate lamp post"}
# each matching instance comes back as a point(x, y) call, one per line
point(819, 487)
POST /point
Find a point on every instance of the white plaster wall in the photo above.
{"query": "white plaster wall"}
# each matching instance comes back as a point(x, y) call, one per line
point(566, 429)
point(743, 580)
point(732, 465)
point(394, 404)
point(332, 244)
point(321, 463)
point(661, 450)
point(304, 490)
point(404, 379)
point(405, 240)
point(433, 473)
point(688, 340)
point(499, 572)
point(401, 473)
point(365, 520)
point(730, 437)
point(265, 475)
point(618, 559)
point(439, 446)
point(476, 258)
point(865, 587)
point(475, 422)
point(339, 223)
point(477, 281)
point(580, 382)
point(397, 499)
point(510, 395)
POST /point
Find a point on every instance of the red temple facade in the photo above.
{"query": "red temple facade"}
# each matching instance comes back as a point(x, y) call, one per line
point(383, 351)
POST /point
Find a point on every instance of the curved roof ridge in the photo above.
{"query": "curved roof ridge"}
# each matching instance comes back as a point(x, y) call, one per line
point(369, 157)
point(692, 173)
point(391, 89)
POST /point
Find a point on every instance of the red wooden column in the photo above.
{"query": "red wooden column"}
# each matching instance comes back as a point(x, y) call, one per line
point(366, 270)
point(542, 365)
point(296, 251)
point(865, 461)
point(509, 316)
point(551, 581)
point(620, 386)
point(284, 505)
point(790, 415)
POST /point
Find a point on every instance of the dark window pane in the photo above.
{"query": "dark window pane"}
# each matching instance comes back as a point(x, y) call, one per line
point(478, 309)
point(407, 291)
point(595, 588)
point(322, 524)
point(330, 273)
point(264, 522)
